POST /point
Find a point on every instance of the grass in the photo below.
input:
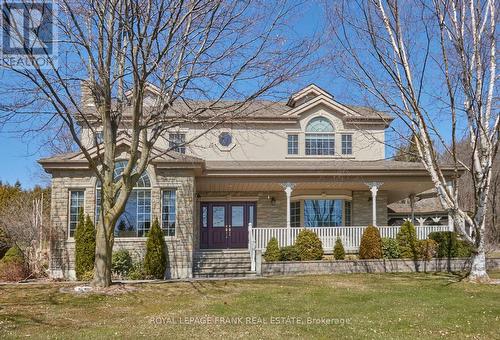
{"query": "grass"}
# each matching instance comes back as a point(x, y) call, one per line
point(356, 305)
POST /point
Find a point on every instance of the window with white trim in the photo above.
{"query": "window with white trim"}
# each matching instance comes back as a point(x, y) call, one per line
point(320, 137)
point(347, 144)
point(168, 214)
point(293, 144)
point(177, 142)
point(76, 202)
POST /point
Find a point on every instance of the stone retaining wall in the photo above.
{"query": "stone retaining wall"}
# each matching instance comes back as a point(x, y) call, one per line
point(367, 266)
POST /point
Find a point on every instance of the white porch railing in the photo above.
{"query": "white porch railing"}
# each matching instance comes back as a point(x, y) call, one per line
point(350, 236)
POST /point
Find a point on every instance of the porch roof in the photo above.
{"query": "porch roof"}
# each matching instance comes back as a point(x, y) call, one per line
point(400, 179)
point(308, 166)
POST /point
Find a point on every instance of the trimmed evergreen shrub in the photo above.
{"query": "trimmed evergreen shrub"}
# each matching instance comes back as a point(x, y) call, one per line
point(338, 250)
point(390, 248)
point(449, 245)
point(407, 240)
point(272, 251)
point(121, 262)
point(13, 266)
point(464, 249)
point(371, 244)
point(14, 254)
point(289, 253)
point(155, 260)
point(84, 246)
point(427, 249)
point(309, 246)
point(4, 243)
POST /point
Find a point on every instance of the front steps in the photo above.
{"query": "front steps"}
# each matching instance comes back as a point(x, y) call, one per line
point(225, 263)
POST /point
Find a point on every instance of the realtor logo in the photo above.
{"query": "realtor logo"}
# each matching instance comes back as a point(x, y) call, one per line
point(28, 33)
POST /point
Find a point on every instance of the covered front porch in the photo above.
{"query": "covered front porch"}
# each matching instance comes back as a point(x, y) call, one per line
point(279, 203)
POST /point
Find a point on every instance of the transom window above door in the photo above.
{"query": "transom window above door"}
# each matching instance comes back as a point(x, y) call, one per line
point(320, 137)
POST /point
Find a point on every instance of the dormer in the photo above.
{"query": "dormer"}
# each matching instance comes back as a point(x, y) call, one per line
point(306, 94)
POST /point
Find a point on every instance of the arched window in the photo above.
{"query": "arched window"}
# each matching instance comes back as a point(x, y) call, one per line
point(320, 137)
point(135, 220)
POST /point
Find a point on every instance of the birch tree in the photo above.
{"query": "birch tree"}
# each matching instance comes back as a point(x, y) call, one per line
point(207, 60)
point(433, 65)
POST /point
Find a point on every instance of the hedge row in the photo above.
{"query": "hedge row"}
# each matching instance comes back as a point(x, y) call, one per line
point(307, 247)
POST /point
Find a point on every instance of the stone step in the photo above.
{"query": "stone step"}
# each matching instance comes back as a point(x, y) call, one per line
point(215, 260)
point(229, 257)
point(224, 274)
point(222, 265)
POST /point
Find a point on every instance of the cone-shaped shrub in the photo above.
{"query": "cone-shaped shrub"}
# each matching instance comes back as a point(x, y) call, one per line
point(407, 240)
point(155, 260)
point(84, 246)
point(309, 246)
point(371, 244)
point(272, 251)
point(338, 250)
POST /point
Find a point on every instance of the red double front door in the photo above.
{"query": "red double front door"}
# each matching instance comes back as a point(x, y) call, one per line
point(225, 224)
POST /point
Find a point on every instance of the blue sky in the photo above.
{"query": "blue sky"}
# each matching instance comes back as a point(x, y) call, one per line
point(18, 154)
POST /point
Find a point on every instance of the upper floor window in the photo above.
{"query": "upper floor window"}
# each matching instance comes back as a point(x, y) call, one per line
point(177, 142)
point(293, 144)
point(347, 144)
point(225, 139)
point(99, 137)
point(320, 137)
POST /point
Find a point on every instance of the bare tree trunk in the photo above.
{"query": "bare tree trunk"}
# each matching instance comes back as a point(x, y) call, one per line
point(103, 255)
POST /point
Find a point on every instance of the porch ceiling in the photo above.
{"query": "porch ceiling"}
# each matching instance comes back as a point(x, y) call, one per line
point(397, 187)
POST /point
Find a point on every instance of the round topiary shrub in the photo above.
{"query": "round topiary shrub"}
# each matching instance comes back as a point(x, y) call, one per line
point(155, 260)
point(390, 248)
point(272, 250)
point(427, 249)
point(309, 246)
point(13, 266)
point(289, 253)
point(371, 244)
point(407, 240)
point(121, 262)
point(84, 246)
point(338, 250)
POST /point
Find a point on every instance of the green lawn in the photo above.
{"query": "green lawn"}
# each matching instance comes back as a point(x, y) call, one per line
point(356, 306)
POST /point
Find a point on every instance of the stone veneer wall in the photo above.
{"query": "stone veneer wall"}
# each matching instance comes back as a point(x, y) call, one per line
point(180, 247)
point(367, 266)
point(362, 208)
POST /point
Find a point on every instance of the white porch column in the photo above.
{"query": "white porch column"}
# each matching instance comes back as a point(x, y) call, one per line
point(288, 191)
point(374, 189)
point(412, 207)
point(449, 186)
